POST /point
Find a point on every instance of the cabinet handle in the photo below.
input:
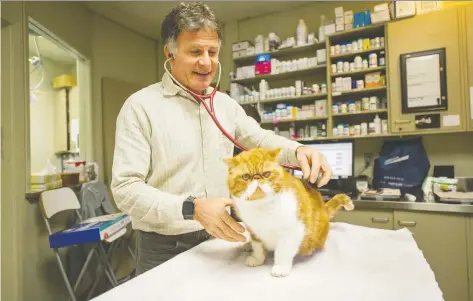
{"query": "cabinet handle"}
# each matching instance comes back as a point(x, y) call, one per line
point(380, 220)
point(407, 223)
point(402, 121)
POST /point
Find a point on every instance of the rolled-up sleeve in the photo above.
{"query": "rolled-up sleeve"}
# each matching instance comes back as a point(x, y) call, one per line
point(131, 166)
point(250, 134)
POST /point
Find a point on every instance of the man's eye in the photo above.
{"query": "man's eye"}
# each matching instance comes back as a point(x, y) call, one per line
point(245, 177)
point(266, 174)
point(195, 52)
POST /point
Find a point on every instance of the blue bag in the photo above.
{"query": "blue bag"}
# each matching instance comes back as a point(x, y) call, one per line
point(402, 164)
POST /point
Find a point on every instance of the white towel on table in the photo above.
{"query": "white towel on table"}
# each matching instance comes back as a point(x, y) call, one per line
point(358, 263)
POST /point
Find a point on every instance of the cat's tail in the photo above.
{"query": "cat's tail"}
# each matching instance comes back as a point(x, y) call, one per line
point(337, 202)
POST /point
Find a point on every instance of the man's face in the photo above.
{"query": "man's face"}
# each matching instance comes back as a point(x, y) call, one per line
point(196, 61)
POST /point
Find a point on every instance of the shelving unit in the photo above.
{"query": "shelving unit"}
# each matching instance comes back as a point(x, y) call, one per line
point(319, 74)
point(349, 62)
point(316, 74)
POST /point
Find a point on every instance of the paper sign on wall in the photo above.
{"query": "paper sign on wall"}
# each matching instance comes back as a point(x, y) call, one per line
point(451, 120)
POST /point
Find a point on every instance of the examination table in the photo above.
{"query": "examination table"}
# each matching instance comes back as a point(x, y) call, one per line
point(358, 263)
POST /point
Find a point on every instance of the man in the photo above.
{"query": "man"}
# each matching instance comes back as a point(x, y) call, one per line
point(168, 168)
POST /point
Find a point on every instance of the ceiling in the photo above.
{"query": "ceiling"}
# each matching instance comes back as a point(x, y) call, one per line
point(145, 17)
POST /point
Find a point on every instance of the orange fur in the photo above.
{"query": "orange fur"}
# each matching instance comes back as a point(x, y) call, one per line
point(313, 212)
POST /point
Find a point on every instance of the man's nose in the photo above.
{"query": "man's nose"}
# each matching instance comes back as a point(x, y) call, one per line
point(205, 59)
point(256, 177)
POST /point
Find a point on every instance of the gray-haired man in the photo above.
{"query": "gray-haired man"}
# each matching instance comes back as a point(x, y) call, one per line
point(168, 168)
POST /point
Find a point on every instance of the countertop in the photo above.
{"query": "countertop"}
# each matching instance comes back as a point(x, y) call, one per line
point(414, 206)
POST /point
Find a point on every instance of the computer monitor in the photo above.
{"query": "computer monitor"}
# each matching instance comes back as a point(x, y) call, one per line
point(340, 157)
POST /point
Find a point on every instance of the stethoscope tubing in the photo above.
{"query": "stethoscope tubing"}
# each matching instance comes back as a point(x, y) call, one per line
point(211, 110)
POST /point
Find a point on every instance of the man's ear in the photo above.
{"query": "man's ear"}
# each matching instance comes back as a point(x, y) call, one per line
point(167, 52)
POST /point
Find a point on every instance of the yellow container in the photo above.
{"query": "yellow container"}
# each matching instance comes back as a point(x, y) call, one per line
point(64, 81)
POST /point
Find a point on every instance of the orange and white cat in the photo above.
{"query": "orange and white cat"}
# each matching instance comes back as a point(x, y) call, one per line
point(281, 213)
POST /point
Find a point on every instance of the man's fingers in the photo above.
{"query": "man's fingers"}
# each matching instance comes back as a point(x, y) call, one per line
point(227, 202)
point(218, 233)
point(232, 223)
point(305, 167)
point(229, 232)
point(314, 173)
point(327, 175)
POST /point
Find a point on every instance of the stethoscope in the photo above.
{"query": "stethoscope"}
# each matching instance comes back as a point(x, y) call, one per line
point(211, 110)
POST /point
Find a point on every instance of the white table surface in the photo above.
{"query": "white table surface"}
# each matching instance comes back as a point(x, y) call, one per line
point(358, 263)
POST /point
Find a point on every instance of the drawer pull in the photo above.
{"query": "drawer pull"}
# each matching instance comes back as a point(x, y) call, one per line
point(407, 223)
point(380, 220)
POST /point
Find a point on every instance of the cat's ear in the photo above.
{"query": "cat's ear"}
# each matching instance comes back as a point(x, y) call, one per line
point(274, 153)
point(231, 162)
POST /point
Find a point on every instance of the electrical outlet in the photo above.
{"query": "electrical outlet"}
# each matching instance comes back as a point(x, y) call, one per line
point(368, 158)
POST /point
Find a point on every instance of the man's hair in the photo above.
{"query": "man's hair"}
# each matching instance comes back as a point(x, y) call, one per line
point(188, 17)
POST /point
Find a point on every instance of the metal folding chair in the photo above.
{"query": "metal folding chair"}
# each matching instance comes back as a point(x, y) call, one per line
point(64, 199)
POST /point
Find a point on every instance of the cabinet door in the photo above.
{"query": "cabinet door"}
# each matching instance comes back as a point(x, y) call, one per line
point(421, 33)
point(381, 219)
point(469, 44)
point(442, 239)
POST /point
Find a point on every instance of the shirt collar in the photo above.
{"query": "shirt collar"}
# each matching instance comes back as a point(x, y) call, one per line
point(171, 89)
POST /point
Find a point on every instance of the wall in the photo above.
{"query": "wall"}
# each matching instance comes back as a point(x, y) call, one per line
point(26, 258)
point(123, 55)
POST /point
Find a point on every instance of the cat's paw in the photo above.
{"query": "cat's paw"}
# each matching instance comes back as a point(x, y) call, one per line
point(349, 205)
point(281, 270)
point(253, 261)
point(247, 247)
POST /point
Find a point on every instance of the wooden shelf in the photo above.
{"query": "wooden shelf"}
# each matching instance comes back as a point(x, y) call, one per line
point(355, 53)
point(366, 31)
point(359, 91)
point(357, 72)
point(246, 103)
point(294, 99)
point(281, 52)
point(274, 122)
point(360, 113)
point(285, 75)
point(363, 136)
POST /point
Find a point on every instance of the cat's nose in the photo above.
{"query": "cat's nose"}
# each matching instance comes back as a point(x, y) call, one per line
point(256, 177)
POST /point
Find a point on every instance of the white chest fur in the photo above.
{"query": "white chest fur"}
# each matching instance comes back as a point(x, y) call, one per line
point(272, 218)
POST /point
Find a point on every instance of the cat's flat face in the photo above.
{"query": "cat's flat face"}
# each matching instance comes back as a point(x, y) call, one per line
point(254, 174)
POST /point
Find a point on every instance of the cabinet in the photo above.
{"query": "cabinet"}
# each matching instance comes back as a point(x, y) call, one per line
point(434, 30)
point(381, 219)
point(469, 45)
point(445, 240)
point(442, 239)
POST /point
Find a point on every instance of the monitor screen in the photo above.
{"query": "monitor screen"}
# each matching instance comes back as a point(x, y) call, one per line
point(339, 156)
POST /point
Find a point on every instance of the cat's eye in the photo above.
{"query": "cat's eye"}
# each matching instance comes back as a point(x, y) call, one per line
point(245, 177)
point(266, 174)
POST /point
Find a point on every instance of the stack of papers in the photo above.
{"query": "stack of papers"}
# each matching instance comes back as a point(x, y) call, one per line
point(454, 197)
point(381, 194)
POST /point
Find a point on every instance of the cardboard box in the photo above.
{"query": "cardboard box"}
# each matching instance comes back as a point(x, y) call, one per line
point(381, 7)
point(339, 11)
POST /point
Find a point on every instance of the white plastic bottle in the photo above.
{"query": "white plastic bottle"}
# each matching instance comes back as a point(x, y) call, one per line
point(262, 89)
point(377, 125)
point(301, 33)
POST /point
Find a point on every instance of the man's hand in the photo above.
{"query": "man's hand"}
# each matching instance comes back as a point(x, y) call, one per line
point(313, 162)
point(211, 214)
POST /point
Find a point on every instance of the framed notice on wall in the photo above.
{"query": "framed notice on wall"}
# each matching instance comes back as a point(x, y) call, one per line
point(424, 81)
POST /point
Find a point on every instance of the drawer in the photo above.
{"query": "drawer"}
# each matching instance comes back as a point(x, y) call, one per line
point(381, 219)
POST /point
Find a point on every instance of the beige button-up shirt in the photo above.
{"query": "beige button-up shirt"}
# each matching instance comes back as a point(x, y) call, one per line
point(167, 147)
